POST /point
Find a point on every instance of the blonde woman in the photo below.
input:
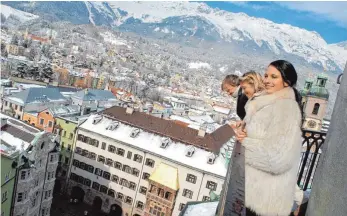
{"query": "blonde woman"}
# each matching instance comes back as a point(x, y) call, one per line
point(252, 84)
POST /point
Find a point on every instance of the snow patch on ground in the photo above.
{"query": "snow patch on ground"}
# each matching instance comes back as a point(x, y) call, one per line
point(202, 209)
point(23, 16)
point(197, 65)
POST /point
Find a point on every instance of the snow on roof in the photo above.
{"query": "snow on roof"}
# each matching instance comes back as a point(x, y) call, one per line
point(151, 142)
point(221, 110)
point(166, 175)
point(15, 135)
point(201, 209)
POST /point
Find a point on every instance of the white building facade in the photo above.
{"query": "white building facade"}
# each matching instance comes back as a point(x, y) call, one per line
point(117, 152)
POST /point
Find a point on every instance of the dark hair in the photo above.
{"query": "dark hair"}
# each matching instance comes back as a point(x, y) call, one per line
point(289, 76)
point(232, 80)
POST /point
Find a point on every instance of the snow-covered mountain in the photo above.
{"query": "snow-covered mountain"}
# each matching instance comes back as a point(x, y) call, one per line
point(20, 15)
point(231, 27)
point(181, 21)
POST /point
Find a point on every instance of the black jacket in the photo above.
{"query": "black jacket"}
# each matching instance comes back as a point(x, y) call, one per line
point(241, 102)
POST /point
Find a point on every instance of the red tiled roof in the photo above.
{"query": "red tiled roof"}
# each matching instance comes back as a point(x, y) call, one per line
point(211, 142)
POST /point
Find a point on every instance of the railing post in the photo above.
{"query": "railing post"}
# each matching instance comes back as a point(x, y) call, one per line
point(329, 195)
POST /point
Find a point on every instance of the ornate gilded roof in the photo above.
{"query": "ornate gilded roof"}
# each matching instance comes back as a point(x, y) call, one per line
point(166, 175)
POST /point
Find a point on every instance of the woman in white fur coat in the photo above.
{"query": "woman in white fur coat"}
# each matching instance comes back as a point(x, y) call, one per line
point(272, 143)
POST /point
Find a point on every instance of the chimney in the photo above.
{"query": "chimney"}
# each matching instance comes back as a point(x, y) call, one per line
point(129, 110)
point(202, 132)
point(86, 91)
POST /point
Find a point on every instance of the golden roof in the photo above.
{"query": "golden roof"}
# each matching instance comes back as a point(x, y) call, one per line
point(166, 175)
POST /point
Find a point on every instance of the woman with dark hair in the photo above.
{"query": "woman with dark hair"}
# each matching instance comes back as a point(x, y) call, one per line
point(271, 143)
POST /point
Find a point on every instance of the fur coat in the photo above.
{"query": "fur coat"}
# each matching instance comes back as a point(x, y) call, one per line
point(271, 152)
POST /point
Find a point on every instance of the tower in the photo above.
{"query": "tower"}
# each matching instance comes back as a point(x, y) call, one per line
point(315, 101)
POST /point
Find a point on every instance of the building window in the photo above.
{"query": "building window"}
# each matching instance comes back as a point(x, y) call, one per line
point(78, 150)
point(115, 178)
point(96, 186)
point(87, 182)
point(111, 193)
point(94, 142)
point(187, 193)
point(90, 168)
point(191, 178)
point(60, 157)
point(22, 175)
point(48, 194)
point(92, 155)
point(101, 159)
point(181, 207)
point(98, 172)
point(126, 169)
point(132, 186)
point(106, 175)
point(129, 200)
point(135, 172)
point(20, 108)
point(82, 165)
point(71, 136)
point(143, 190)
point(3, 196)
point(138, 158)
point(103, 145)
point(66, 160)
point(85, 153)
point(206, 198)
point(156, 210)
point(80, 137)
point(64, 133)
point(117, 165)
point(129, 155)
point(20, 197)
point(123, 182)
point(111, 148)
point(75, 163)
point(51, 158)
point(50, 124)
point(103, 189)
point(145, 176)
point(168, 195)
point(69, 147)
point(120, 196)
point(139, 205)
point(316, 109)
point(120, 152)
point(41, 121)
point(211, 185)
point(109, 162)
point(150, 162)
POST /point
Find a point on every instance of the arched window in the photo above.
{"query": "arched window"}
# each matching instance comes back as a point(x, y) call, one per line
point(168, 195)
point(315, 108)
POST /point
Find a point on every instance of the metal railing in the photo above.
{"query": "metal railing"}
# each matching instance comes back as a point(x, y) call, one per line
point(312, 142)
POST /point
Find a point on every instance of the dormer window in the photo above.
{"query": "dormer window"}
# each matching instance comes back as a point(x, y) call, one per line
point(113, 125)
point(135, 133)
point(211, 158)
point(190, 151)
point(165, 142)
point(97, 119)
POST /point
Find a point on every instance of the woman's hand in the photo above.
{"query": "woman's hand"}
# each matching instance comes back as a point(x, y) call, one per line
point(240, 132)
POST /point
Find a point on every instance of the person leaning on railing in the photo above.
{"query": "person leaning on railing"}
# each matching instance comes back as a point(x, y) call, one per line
point(271, 143)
